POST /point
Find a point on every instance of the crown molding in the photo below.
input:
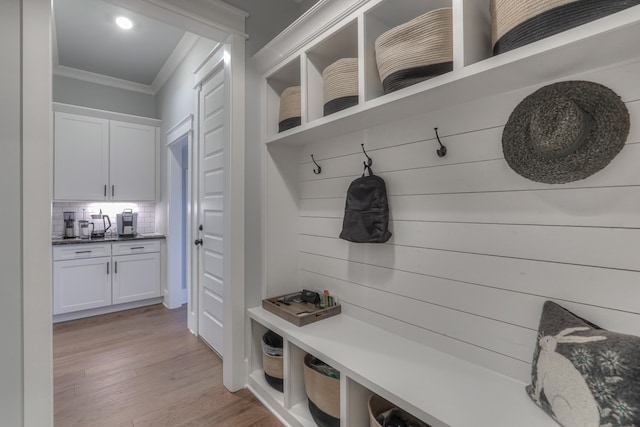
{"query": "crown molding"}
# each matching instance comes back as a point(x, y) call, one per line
point(104, 114)
point(182, 49)
point(101, 79)
point(315, 21)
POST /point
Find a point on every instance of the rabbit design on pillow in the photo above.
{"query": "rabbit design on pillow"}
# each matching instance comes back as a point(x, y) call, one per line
point(566, 390)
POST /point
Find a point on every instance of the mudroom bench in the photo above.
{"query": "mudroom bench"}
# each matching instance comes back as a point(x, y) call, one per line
point(438, 388)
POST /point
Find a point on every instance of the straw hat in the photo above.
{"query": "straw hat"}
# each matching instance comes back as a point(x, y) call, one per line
point(515, 23)
point(416, 50)
point(340, 85)
point(565, 132)
point(289, 109)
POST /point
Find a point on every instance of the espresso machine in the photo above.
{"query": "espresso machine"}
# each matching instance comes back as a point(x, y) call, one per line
point(69, 225)
point(127, 223)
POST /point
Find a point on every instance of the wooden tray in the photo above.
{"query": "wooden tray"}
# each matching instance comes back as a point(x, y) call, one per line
point(299, 313)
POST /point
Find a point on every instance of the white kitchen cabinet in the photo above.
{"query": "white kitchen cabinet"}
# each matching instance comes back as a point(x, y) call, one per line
point(132, 156)
point(81, 284)
point(136, 277)
point(81, 157)
point(94, 275)
point(99, 159)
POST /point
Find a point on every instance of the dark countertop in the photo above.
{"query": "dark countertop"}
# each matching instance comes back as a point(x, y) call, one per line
point(109, 239)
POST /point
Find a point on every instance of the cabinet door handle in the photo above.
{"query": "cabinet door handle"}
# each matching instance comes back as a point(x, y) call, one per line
point(113, 190)
point(83, 252)
point(137, 247)
point(105, 190)
point(107, 268)
point(115, 267)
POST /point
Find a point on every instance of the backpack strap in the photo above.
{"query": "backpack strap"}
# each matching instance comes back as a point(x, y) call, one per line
point(367, 168)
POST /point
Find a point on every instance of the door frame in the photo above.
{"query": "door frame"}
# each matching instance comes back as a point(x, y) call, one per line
point(231, 54)
point(173, 292)
point(219, 21)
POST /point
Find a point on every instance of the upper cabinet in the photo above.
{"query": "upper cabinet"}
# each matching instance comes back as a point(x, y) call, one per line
point(465, 68)
point(132, 161)
point(81, 157)
point(98, 159)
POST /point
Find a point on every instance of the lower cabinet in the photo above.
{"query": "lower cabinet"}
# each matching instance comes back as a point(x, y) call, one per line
point(81, 284)
point(136, 277)
point(88, 276)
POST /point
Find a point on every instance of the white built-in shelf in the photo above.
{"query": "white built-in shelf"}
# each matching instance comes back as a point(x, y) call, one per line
point(601, 43)
point(427, 383)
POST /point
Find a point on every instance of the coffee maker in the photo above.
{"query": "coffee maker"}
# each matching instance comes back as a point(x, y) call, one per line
point(127, 223)
point(69, 225)
point(101, 224)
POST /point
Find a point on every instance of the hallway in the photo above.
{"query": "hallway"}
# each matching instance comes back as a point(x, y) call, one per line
point(142, 367)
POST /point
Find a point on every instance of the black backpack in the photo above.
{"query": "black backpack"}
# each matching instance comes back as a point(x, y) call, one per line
point(366, 212)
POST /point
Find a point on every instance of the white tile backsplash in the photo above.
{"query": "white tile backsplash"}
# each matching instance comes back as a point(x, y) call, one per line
point(146, 214)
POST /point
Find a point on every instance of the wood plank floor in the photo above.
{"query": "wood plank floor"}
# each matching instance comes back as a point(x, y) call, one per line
point(140, 368)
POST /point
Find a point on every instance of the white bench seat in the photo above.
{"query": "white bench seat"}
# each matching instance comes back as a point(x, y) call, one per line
point(436, 387)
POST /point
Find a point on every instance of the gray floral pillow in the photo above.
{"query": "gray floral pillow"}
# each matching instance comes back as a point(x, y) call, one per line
point(583, 375)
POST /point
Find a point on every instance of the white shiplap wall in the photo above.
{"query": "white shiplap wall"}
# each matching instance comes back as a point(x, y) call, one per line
point(476, 248)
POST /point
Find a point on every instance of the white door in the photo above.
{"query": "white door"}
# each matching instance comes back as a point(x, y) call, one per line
point(132, 153)
point(213, 134)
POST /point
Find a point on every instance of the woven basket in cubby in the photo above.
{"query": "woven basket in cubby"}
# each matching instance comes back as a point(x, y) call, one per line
point(322, 384)
point(272, 359)
point(290, 107)
point(515, 23)
point(416, 50)
point(378, 406)
point(340, 85)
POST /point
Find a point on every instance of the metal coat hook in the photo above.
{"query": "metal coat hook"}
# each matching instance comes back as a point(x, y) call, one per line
point(317, 172)
point(442, 151)
point(369, 162)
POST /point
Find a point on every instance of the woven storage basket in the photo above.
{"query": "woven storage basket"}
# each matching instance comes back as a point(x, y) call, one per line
point(340, 85)
point(515, 23)
point(272, 360)
point(416, 50)
point(290, 116)
point(323, 393)
point(378, 405)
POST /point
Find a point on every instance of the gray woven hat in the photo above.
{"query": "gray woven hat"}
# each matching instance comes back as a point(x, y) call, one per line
point(565, 132)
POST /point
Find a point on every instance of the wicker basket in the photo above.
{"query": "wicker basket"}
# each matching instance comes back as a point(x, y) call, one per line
point(323, 393)
point(416, 50)
point(378, 405)
point(340, 85)
point(290, 107)
point(272, 360)
point(515, 23)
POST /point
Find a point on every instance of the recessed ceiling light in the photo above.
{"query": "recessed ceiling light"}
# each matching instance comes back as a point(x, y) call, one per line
point(124, 23)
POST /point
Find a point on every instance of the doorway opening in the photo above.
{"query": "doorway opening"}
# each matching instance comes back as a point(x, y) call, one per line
point(180, 148)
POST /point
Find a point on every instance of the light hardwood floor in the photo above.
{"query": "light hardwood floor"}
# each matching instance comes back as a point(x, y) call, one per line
point(140, 368)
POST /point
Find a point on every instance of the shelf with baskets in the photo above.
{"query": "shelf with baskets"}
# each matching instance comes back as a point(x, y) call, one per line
point(315, 393)
point(428, 384)
point(476, 73)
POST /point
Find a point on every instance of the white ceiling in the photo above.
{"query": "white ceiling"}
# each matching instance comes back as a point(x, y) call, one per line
point(87, 39)
point(88, 45)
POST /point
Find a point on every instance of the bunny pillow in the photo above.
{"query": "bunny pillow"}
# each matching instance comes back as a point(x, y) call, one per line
point(585, 376)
